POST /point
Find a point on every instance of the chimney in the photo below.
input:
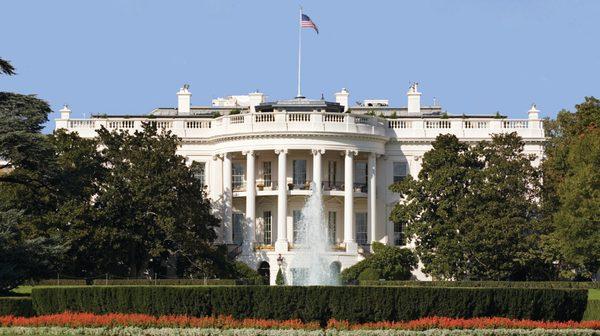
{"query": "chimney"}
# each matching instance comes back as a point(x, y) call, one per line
point(65, 112)
point(255, 98)
point(184, 100)
point(342, 98)
point(414, 99)
point(533, 113)
point(534, 118)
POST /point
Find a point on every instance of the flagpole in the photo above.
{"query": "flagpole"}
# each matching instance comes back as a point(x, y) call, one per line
point(299, 51)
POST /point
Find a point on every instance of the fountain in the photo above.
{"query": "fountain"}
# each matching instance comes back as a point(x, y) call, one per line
point(310, 266)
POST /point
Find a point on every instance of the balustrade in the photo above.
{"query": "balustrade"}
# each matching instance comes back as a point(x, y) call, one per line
point(325, 122)
point(437, 124)
point(298, 117)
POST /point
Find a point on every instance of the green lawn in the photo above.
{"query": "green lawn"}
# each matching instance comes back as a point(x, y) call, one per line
point(22, 290)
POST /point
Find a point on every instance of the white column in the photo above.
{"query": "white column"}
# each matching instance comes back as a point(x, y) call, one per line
point(281, 245)
point(349, 235)
point(250, 198)
point(317, 169)
point(372, 198)
point(227, 200)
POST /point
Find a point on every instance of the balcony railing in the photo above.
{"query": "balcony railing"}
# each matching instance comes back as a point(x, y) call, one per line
point(313, 122)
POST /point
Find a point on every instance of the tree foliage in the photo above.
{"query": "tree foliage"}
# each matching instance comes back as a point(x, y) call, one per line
point(23, 257)
point(132, 208)
point(6, 68)
point(571, 195)
point(472, 214)
point(145, 207)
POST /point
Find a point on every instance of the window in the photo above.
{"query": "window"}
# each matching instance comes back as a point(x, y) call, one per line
point(299, 167)
point(360, 175)
point(238, 230)
point(331, 227)
point(398, 234)
point(199, 171)
point(267, 227)
point(267, 174)
point(237, 175)
point(361, 228)
point(331, 173)
point(298, 230)
point(400, 171)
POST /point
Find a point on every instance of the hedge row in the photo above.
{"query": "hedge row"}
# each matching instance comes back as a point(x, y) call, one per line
point(592, 312)
point(17, 306)
point(136, 331)
point(354, 304)
point(497, 284)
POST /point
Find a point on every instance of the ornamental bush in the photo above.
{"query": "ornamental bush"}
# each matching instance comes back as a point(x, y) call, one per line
point(368, 274)
point(389, 262)
point(354, 304)
point(16, 306)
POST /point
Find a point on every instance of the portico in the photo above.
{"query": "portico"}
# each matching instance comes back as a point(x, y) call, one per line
point(347, 180)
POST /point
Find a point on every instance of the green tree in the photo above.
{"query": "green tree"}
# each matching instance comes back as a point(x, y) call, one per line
point(21, 257)
point(150, 207)
point(27, 189)
point(571, 195)
point(472, 213)
point(6, 68)
point(386, 262)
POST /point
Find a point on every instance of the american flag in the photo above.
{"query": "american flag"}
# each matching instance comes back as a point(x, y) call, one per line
point(306, 22)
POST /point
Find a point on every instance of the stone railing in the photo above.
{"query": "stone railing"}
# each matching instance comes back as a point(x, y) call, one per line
point(314, 122)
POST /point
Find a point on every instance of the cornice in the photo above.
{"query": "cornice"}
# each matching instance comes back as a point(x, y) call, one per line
point(246, 136)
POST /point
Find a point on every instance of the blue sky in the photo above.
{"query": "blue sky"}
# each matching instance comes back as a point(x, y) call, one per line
point(476, 57)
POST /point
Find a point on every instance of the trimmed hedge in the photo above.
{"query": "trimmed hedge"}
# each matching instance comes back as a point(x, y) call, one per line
point(354, 304)
point(498, 284)
point(16, 306)
point(592, 311)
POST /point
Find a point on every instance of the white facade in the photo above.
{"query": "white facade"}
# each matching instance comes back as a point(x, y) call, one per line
point(259, 163)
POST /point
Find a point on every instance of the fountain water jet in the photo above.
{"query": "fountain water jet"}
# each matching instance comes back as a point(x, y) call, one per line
point(310, 264)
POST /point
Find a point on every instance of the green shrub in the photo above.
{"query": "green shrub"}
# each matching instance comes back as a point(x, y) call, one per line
point(17, 306)
point(368, 274)
point(390, 262)
point(355, 304)
point(247, 275)
point(279, 279)
point(592, 311)
point(498, 284)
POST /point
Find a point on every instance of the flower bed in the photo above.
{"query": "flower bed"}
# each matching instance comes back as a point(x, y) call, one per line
point(76, 320)
point(138, 331)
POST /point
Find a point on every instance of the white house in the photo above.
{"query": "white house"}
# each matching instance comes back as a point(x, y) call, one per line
point(259, 161)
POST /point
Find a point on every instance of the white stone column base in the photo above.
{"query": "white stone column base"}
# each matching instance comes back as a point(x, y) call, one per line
point(351, 247)
point(281, 246)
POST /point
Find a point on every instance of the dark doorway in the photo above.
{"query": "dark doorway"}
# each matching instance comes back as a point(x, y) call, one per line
point(265, 271)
